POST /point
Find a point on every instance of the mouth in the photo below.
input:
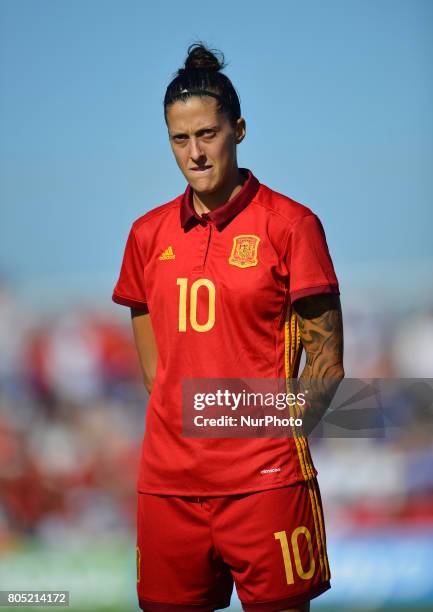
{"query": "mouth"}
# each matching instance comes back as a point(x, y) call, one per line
point(201, 169)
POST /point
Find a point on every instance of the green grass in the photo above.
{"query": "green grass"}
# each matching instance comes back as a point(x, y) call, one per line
point(100, 575)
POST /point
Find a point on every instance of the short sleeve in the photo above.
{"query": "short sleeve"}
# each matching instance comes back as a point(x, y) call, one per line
point(129, 289)
point(308, 260)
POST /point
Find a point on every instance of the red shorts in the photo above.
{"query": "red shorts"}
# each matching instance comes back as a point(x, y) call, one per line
point(270, 543)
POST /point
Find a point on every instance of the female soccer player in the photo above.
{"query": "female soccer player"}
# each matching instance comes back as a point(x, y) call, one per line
point(228, 280)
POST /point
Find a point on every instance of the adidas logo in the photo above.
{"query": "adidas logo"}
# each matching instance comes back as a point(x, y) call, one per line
point(167, 254)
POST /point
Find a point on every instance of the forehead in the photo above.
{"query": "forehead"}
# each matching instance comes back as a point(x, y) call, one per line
point(193, 114)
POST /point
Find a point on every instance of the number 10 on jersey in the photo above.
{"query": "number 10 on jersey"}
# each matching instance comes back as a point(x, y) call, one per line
point(193, 293)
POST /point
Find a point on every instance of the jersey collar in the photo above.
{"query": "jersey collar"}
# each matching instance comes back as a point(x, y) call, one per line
point(222, 215)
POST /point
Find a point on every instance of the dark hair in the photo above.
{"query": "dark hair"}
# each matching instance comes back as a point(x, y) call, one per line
point(201, 76)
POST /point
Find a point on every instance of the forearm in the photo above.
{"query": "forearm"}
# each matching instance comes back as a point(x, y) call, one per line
point(319, 393)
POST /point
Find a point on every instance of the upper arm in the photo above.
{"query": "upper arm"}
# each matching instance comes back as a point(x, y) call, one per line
point(129, 289)
point(321, 328)
point(308, 261)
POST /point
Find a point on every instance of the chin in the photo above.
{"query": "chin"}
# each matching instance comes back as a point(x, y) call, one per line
point(205, 187)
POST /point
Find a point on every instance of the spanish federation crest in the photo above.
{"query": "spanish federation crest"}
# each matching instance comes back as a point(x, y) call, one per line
point(244, 251)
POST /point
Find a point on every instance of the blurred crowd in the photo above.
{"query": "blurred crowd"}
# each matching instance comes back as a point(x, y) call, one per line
point(72, 416)
point(72, 411)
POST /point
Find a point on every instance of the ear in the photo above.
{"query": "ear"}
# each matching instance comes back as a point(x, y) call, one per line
point(240, 130)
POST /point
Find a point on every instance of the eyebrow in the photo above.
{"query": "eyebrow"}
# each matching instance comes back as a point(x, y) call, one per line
point(214, 128)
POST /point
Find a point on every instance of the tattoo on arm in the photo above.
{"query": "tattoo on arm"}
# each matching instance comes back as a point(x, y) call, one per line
point(321, 328)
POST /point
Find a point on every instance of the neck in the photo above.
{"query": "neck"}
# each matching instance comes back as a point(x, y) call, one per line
point(204, 203)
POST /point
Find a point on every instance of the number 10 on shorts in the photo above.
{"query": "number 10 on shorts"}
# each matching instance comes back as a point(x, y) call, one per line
point(285, 549)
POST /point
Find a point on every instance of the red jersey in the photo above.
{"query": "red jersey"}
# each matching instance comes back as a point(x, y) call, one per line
point(219, 289)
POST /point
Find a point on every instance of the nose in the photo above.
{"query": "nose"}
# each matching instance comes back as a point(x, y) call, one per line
point(195, 150)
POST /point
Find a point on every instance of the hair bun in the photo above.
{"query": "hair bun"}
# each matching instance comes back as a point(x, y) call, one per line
point(201, 58)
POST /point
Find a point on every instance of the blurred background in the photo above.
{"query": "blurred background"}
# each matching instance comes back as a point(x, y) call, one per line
point(337, 97)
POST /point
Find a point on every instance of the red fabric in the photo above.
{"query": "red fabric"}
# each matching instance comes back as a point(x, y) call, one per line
point(250, 262)
point(318, 289)
point(190, 550)
point(308, 259)
point(130, 287)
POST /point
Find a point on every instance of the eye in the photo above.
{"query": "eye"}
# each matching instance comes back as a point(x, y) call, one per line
point(179, 138)
point(209, 133)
